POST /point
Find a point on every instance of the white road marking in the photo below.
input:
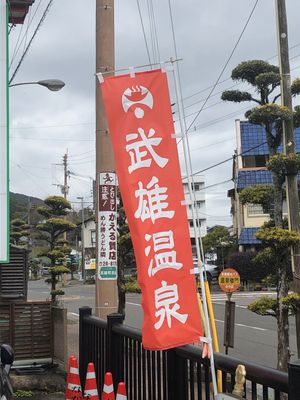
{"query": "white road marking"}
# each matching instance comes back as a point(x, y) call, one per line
point(219, 320)
point(245, 326)
point(222, 304)
point(73, 313)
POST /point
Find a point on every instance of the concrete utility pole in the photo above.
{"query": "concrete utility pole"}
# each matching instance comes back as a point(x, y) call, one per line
point(82, 239)
point(106, 290)
point(65, 186)
point(65, 164)
point(289, 145)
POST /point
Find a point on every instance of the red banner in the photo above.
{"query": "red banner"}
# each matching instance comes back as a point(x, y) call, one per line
point(141, 126)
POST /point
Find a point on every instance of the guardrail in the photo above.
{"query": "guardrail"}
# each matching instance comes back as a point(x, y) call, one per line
point(177, 374)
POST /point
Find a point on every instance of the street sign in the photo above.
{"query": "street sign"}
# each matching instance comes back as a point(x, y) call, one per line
point(4, 188)
point(107, 227)
point(229, 280)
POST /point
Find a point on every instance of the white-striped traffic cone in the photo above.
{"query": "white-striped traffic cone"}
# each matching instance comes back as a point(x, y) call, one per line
point(108, 388)
point(90, 389)
point(121, 393)
point(73, 387)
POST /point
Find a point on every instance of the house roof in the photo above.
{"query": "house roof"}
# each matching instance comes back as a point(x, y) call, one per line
point(247, 236)
point(18, 10)
point(253, 139)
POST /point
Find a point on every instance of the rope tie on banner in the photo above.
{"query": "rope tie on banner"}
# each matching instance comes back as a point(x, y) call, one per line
point(178, 135)
point(131, 72)
point(185, 202)
point(162, 67)
point(100, 77)
point(168, 67)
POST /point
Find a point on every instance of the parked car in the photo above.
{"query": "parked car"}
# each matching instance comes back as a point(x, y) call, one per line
point(7, 359)
point(212, 272)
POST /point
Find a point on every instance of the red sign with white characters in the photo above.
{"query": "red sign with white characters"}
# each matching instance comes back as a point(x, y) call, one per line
point(141, 126)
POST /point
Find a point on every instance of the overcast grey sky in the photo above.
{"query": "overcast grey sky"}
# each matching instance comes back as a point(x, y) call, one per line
point(45, 124)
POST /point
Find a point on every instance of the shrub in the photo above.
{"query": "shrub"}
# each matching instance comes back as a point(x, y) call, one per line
point(132, 287)
point(249, 268)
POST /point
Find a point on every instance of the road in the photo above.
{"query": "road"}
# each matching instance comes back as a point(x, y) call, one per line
point(255, 336)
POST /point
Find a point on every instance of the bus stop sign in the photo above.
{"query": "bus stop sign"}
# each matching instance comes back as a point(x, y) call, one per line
point(229, 280)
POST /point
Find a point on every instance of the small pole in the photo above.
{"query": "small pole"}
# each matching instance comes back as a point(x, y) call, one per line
point(188, 171)
point(82, 241)
point(106, 296)
point(289, 146)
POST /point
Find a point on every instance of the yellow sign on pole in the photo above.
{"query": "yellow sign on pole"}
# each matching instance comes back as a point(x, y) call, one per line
point(229, 280)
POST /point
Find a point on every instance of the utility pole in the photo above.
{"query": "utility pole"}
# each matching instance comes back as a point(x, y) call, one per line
point(65, 186)
point(28, 223)
point(106, 290)
point(289, 146)
point(82, 239)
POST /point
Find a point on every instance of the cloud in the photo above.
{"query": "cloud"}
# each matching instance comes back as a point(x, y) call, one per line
point(64, 48)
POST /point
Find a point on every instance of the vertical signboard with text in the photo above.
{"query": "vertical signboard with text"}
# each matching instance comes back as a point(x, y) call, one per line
point(107, 226)
point(141, 126)
point(4, 190)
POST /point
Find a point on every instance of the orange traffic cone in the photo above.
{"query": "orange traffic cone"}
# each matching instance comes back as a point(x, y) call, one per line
point(121, 393)
point(108, 388)
point(90, 390)
point(73, 388)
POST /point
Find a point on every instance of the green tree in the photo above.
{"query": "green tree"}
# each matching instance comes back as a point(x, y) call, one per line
point(125, 254)
point(19, 231)
point(51, 230)
point(219, 243)
point(265, 80)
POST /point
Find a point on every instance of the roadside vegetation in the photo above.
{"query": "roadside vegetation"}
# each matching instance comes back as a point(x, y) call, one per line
point(277, 240)
point(50, 230)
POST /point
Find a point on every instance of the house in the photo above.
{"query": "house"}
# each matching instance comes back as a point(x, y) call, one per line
point(249, 168)
point(198, 186)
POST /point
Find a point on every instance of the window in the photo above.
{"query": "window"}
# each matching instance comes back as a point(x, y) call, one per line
point(93, 238)
point(255, 209)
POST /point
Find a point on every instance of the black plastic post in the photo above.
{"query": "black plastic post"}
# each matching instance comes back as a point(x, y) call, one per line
point(83, 342)
point(115, 350)
point(294, 380)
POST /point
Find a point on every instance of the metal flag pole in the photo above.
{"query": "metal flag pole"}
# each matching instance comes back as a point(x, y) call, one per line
point(200, 266)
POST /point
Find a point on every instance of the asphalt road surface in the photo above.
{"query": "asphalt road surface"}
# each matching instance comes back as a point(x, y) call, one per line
point(255, 336)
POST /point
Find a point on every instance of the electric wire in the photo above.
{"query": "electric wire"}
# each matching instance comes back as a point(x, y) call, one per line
point(81, 154)
point(230, 158)
point(228, 79)
point(18, 45)
point(225, 66)
point(30, 42)
point(212, 122)
point(144, 32)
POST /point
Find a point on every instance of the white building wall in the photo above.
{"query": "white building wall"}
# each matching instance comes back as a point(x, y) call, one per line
point(199, 182)
point(89, 233)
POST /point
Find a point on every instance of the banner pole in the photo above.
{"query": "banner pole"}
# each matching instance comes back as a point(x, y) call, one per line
point(200, 264)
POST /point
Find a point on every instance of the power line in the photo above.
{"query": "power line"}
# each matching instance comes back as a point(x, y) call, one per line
point(18, 46)
point(81, 154)
point(228, 79)
point(225, 66)
point(52, 139)
point(228, 159)
point(144, 32)
point(31, 40)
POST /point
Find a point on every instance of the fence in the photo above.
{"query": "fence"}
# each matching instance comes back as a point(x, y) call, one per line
point(27, 327)
point(176, 374)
